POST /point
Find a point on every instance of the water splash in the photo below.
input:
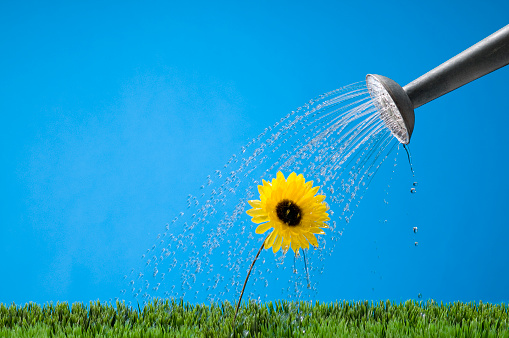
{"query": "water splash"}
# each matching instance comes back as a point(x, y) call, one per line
point(338, 140)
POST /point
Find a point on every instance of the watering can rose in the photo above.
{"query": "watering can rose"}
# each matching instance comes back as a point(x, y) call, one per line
point(292, 208)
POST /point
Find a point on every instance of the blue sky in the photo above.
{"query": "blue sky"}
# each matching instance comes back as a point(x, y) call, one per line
point(113, 112)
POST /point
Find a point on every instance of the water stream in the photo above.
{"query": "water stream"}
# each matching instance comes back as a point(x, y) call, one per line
point(202, 255)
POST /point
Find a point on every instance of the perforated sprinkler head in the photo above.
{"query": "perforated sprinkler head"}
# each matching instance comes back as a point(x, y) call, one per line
point(394, 106)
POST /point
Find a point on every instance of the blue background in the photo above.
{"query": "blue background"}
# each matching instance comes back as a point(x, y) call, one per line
point(112, 112)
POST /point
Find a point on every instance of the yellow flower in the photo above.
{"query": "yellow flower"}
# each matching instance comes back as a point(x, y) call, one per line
point(292, 209)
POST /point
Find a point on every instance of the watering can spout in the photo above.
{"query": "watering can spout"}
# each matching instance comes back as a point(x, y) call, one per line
point(482, 58)
point(393, 104)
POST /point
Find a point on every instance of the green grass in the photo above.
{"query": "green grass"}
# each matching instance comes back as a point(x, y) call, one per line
point(273, 319)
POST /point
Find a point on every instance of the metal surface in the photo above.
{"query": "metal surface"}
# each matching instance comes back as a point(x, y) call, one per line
point(397, 104)
point(482, 58)
point(394, 106)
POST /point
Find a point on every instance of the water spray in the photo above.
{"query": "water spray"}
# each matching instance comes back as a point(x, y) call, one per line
point(340, 140)
point(396, 104)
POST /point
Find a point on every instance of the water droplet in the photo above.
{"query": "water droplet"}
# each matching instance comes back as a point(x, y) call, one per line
point(349, 148)
point(415, 184)
point(413, 191)
point(415, 230)
point(416, 243)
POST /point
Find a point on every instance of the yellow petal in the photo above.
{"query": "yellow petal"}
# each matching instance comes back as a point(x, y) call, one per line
point(263, 227)
point(278, 195)
point(270, 240)
point(319, 199)
point(316, 231)
point(256, 212)
point(303, 241)
point(277, 244)
point(255, 203)
point(298, 192)
point(286, 241)
point(320, 209)
point(267, 187)
point(304, 201)
point(260, 219)
point(308, 196)
point(292, 187)
point(292, 178)
point(311, 238)
point(295, 244)
point(323, 218)
point(261, 190)
point(313, 191)
point(322, 225)
point(280, 184)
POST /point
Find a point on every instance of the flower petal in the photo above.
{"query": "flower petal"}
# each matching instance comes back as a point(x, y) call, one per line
point(316, 231)
point(255, 203)
point(291, 178)
point(292, 187)
point(320, 209)
point(311, 238)
point(256, 212)
point(321, 224)
point(308, 196)
point(298, 192)
point(323, 218)
point(312, 208)
point(319, 198)
point(270, 240)
point(303, 241)
point(277, 244)
point(295, 244)
point(313, 191)
point(261, 190)
point(286, 242)
point(260, 219)
point(263, 227)
point(300, 180)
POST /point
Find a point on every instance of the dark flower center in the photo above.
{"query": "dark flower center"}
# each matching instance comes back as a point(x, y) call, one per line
point(288, 212)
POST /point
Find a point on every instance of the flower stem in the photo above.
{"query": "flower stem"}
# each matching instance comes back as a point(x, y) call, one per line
point(247, 277)
point(306, 267)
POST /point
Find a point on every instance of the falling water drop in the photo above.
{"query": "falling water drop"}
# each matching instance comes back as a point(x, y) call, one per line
point(409, 156)
point(338, 140)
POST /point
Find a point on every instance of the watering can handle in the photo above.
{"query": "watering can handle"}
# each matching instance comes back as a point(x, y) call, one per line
point(482, 58)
